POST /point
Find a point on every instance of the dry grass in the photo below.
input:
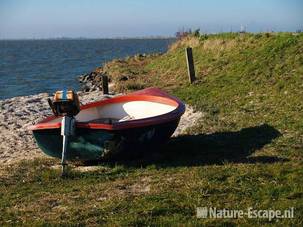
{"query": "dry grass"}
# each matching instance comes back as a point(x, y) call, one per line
point(188, 41)
point(219, 44)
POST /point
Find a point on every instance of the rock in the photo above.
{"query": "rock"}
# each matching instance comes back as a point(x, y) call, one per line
point(85, 88)
point(94, 88)
point(80, 78)
point(85, 79)
point(92, 81)
point(98, 78)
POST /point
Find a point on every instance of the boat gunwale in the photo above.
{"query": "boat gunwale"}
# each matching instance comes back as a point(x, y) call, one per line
point(151, 95)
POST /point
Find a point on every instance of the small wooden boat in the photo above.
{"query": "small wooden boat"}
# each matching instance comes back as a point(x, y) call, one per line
point(142, 118)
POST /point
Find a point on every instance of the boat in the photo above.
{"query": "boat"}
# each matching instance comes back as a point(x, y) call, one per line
point(143, 119)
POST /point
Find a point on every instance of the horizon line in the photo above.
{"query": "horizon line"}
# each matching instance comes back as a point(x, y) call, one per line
point(140, 37)
point(86, 38)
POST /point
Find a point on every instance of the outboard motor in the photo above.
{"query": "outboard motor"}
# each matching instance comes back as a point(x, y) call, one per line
point(66, 104)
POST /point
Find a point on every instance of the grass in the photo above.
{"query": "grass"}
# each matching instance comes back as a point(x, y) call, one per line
point(246, 151)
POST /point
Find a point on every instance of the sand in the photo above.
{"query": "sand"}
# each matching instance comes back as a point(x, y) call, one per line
point(17, 114)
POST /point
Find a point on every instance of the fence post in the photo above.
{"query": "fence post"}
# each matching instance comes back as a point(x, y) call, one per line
point(105, 84)
point(190, 64)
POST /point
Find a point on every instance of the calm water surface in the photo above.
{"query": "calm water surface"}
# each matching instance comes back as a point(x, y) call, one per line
point(34, 66)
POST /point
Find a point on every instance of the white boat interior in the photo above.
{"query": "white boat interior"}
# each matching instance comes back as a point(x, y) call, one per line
point(124, 111)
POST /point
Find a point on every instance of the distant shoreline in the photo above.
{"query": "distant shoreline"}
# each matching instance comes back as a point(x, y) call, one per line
point(82, 38)
point(140, 37)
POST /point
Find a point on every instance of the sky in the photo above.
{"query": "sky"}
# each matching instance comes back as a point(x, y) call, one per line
point(140, 18)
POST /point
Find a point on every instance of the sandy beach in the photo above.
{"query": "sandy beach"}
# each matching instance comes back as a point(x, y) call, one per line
point(18, 113)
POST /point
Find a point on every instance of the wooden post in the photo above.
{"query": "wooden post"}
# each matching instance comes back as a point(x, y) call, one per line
point(190, 64)
point(105, 84)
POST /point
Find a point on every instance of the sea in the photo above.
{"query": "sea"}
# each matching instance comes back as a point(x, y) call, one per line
point(34, 66)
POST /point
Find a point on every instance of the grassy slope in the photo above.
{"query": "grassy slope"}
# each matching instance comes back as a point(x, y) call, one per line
point(246, 151)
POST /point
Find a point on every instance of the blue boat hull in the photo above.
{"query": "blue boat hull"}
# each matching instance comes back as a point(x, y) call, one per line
point(95, 144)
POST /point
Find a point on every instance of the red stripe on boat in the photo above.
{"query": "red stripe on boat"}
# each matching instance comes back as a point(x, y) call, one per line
point(149, 94)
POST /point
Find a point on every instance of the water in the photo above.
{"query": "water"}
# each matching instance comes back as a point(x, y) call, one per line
point(34, 66)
